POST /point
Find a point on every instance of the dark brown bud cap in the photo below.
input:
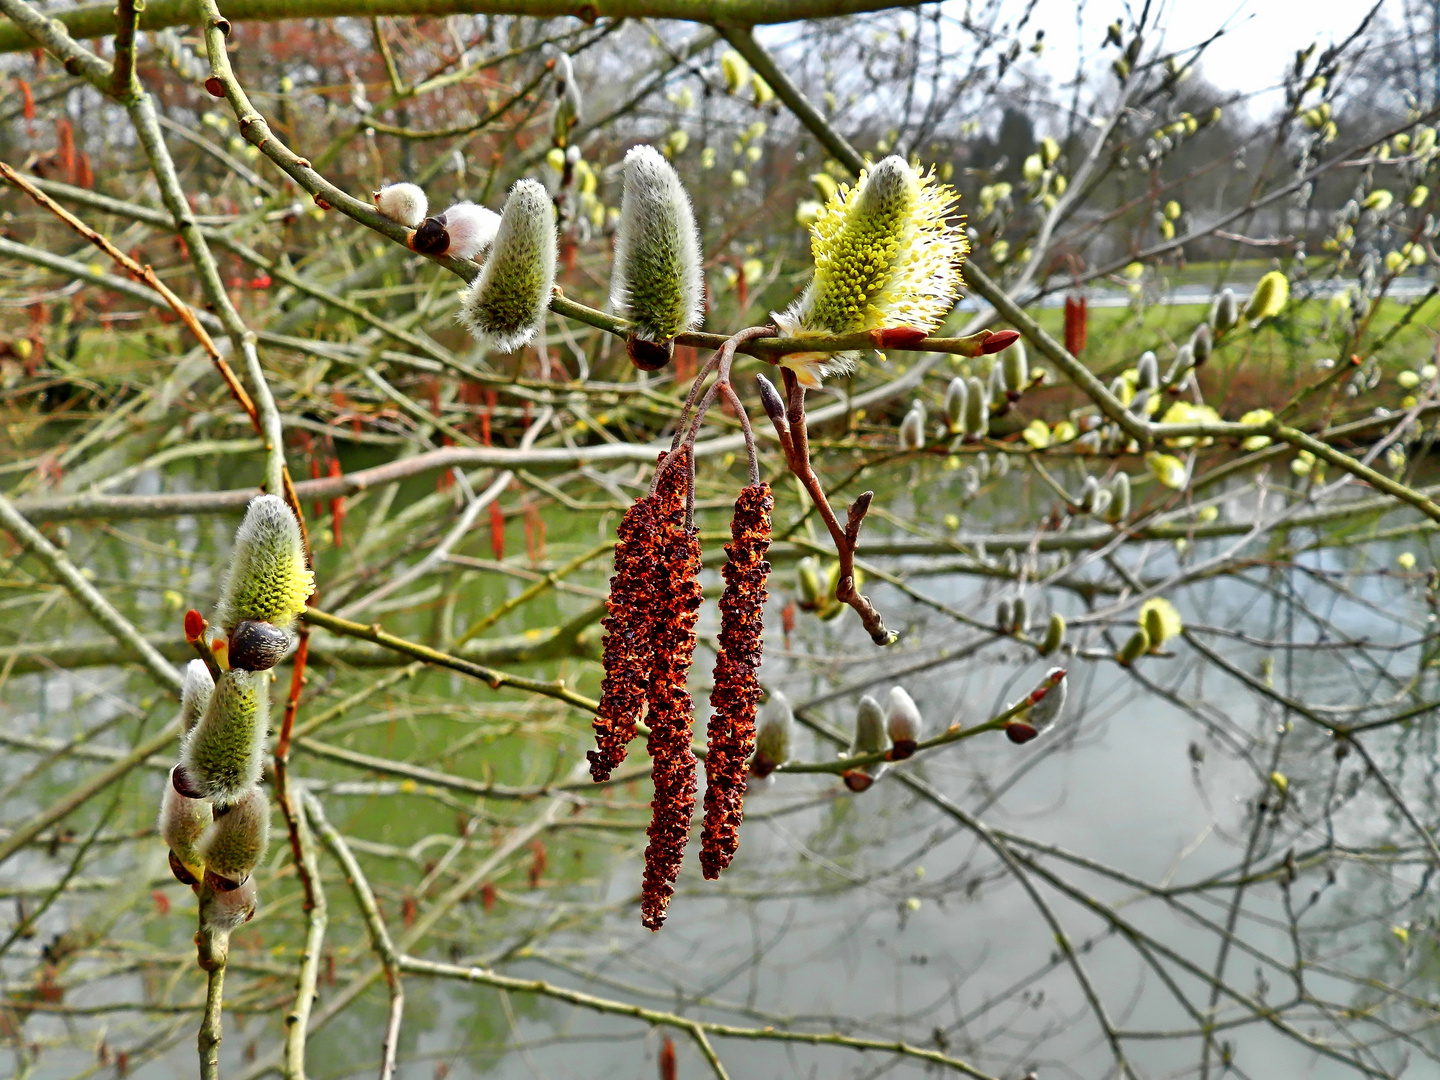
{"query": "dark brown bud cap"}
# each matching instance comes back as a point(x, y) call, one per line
point(430, 238)
point(182, 875)
point(649, 355)
point(1020, 733)
point(257, 646)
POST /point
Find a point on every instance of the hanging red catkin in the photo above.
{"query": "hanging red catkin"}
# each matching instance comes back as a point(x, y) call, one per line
point(628, 652)
point(673, 581)
point(737, 684)
point(1076, 324)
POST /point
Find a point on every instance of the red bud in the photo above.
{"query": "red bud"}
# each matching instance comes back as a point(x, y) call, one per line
point(214, 87)
point(900, 337)
point(195, 626)
point(1019, 733)
point(856, 780)
point(999, 341)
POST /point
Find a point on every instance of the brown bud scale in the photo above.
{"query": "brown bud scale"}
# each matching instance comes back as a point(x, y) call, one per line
point(737, 685)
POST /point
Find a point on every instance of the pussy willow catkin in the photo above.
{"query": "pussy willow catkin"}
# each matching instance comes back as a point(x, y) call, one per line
point(736, 690)
point(674, 581)
point(629, 652)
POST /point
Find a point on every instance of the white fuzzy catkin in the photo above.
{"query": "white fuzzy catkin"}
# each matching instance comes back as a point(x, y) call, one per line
point(268, 580)
point(405, 203)
point(222, 912)
point(772, 739)
point(870, 736)
point(222, 755)
point(902, 721)
point(195, 691)
point(656, 282)
point(236, 841)
point(505, 306)
point(471, 229)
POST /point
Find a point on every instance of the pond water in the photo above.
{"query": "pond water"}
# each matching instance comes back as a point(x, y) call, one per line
point(1190, 806)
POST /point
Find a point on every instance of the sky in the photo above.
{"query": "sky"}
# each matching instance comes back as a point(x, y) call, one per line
point(1265, 34)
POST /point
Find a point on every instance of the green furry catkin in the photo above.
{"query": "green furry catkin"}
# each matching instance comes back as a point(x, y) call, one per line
point(222, 754)
point(268, 580)
point(234, 845)
point(505, 306)
point(656, 282)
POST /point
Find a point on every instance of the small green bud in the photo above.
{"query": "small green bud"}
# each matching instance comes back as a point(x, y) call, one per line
point(1002, 616)
point(221, 755)
point(506, 305)
point(235, 843)
point(1154, 625)
point(1183, 364)
point(774, 735)
point(268, 580)
point(735, 70)
point(195, 691)
point(1269, 297)
point(1147, 372)
point(1020, 617)
point(955, 401)
point(1054, 635)
point(808, 578)
point(1016, 367)
point(977, 410)
point(656, 282)
point(1136, 647)
point(1201, 344)
point(1088, 492)
point(1119, 508)
point(1225, 312)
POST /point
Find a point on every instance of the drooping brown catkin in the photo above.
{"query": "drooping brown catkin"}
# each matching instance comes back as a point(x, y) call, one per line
point(629, 651)
point(737, 684)
point(675, 596)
